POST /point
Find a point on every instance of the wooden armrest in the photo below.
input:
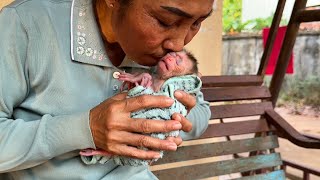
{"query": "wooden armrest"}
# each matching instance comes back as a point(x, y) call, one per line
point(289, 132)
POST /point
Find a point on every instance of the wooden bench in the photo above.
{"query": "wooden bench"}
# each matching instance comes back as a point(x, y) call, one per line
point(242, 136)
point(255, 133)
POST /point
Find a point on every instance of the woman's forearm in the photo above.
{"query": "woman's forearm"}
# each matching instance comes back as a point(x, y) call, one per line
point(199, 117)
point(25, 144)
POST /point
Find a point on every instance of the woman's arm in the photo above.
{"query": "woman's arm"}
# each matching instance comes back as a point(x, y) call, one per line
point(198, 117)
point(27, 143)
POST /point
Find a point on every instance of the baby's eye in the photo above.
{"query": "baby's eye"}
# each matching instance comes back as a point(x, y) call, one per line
point(178, 61)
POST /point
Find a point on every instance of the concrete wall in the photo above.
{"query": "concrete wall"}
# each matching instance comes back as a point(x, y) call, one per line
point(241, 55)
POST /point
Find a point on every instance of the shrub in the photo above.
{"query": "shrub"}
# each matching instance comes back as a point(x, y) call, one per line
point(305, 92)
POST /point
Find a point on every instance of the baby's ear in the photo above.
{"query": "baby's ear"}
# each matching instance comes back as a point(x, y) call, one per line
point(199, 74)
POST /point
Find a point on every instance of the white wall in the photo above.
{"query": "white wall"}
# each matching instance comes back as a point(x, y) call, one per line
point(252, 9)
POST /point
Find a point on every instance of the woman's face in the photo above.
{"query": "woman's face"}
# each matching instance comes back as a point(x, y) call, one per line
point(148, 29)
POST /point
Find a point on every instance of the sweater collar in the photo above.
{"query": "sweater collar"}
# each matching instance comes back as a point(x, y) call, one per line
point(86, 40)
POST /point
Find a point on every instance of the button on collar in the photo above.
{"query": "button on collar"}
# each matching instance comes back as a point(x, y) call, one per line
point(116, 75)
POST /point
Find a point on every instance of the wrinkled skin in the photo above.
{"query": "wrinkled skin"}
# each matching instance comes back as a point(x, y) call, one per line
point(145, 31)
point(172, 64)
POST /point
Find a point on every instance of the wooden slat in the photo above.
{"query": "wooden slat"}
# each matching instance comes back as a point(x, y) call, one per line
point(239, 110)
point(231, 80)
point(236, 128)
point(235, 93)
point(219, 168)
point(308, 15)
point(275, 175)
point(220, 148)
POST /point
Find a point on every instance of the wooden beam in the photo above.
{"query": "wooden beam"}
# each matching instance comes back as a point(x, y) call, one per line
point(219, 168)
point(301, 167)
point(271, 37)
point(286, 49)
point(308, 15)
point(236, 128)
point(279, 174)
point(236, 93)
point(289, 132)
point(231, 80)
point(239, 110)
point(191, 152)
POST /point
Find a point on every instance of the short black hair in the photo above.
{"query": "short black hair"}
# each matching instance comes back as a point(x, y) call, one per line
point(194, 69)
point(124, 5)
point(125, 2)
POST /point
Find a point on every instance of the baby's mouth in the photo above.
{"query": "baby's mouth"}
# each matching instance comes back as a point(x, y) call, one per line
point(165, 63)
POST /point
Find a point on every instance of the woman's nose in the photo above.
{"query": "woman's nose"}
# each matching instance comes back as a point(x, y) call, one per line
point(176, 41)
point(174, 45)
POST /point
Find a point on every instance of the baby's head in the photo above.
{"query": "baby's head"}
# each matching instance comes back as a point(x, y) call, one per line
point(177, 64)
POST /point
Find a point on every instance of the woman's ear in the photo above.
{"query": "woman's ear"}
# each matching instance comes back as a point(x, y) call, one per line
point(112, 3)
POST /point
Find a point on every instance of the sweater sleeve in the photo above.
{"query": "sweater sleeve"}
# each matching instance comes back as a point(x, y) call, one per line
point(27, 143)
point(199, 117)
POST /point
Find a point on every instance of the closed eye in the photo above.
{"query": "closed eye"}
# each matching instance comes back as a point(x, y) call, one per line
point(178, 61)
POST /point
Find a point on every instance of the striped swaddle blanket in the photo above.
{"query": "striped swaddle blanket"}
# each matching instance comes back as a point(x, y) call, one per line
point(188, 83)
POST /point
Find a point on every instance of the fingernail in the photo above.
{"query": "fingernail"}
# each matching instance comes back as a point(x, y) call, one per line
point(172, 147)
point(157, 156)
point(169, 100)
point(177, 126)
point(178, 94)
point(177, 117)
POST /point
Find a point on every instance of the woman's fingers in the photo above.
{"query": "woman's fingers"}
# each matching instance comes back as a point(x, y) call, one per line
point(186, 124)
point(114, 131)
point(186, 99)
point(134, 152)
point(146, 101)
point(140, 140)
point(176, 140)
point(151, 126)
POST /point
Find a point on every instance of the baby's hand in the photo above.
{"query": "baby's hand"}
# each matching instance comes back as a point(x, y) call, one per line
point(142, 79)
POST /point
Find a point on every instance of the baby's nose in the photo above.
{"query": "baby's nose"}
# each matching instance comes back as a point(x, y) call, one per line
point(173, 54)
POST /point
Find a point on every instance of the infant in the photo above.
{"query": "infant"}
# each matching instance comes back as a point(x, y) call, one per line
point(175, 71)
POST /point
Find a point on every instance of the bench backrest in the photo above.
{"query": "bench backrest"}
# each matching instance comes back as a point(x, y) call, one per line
point(229, 146)
point(241, 138)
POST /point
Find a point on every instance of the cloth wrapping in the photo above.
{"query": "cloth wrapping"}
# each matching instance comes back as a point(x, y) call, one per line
point(188, 83)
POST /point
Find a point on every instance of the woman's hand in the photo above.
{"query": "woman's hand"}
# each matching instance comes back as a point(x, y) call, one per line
point(189, 102)
point(115, 132)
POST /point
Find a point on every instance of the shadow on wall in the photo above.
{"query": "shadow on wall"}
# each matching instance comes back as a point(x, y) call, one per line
point(4, 3)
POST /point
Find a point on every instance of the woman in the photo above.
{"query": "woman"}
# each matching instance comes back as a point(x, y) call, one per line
point(59, 93)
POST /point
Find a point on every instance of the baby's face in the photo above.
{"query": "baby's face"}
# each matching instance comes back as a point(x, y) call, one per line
point(174, 64)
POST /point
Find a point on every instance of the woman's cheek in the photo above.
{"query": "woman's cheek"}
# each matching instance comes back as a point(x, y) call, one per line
point(152, 38)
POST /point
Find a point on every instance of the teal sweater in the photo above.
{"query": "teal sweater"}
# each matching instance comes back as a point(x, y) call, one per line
point(189, 83)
